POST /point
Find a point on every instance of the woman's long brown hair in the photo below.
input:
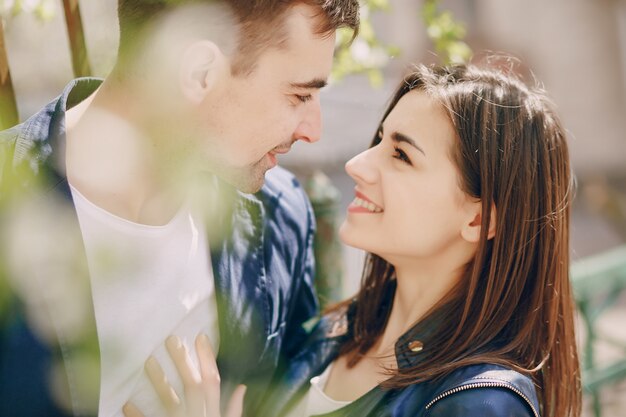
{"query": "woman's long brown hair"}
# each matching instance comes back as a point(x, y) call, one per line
point(514, 304)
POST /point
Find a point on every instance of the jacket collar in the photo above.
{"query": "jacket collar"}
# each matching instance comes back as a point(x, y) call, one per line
point(40, 145)
point(409, 348)
point(412, 345)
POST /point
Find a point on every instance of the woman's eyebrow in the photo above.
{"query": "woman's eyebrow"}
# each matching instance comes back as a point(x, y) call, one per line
point(401, 137)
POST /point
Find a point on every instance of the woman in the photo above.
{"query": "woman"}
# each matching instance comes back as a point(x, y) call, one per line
point(465, 308)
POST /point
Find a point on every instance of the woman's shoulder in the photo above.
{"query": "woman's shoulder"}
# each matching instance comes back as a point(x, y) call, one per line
point(484, 390)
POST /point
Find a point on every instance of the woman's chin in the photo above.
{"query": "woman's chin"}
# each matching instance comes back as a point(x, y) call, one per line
point(349, 236)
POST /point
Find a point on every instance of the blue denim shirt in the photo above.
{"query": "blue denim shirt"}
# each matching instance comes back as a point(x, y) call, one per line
point(262, 255)
point(482, 390)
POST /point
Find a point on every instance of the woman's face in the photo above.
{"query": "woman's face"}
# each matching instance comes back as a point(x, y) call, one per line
point(407, 197)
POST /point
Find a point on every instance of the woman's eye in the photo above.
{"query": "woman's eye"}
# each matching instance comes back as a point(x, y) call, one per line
point(304, 98)
point(401, 155)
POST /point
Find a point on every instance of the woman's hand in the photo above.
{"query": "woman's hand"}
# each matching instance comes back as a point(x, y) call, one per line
point(202, 389)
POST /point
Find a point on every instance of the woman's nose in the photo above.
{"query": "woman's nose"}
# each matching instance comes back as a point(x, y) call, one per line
point(362, 167)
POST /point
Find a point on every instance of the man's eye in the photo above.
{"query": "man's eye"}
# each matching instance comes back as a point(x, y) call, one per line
point(304, 98)
point(401, 155)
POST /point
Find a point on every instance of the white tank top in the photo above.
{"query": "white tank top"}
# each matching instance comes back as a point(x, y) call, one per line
point(315, 400)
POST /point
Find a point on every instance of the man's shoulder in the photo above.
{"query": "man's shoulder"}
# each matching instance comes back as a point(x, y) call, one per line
point(32, 140)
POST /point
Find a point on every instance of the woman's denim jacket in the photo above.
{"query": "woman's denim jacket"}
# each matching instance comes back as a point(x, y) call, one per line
point(483, 390)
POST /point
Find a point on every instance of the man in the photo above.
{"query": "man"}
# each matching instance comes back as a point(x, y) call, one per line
point(141, 227)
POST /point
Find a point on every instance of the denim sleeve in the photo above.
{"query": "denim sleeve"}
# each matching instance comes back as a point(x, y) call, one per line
point(303, 303)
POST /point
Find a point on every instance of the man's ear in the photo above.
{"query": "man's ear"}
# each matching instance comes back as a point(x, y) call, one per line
point(473, 227)
point(200, 68)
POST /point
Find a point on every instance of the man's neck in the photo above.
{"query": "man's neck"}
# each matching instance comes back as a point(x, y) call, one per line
point(114, 163)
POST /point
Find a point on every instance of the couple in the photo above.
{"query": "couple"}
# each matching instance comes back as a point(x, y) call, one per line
point(462, 202)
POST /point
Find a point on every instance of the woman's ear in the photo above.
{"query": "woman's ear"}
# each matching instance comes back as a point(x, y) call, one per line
point(200, 68)
point(473, 227)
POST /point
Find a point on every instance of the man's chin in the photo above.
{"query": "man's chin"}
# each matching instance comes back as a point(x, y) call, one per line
point(247, 181)
point(249, 187)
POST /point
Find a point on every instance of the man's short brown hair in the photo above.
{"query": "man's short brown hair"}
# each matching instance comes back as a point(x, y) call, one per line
point(261, 22)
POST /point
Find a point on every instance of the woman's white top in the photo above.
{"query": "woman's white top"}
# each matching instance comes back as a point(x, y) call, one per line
point(315, 400)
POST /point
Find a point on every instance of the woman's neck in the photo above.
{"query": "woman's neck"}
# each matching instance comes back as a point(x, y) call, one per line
point(420, 286)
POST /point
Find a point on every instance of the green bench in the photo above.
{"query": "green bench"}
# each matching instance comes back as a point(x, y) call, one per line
point(598, 282)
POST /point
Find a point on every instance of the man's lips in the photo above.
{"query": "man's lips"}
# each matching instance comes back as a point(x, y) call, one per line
point(362, 204)
point(277, 151)
point(280, 150)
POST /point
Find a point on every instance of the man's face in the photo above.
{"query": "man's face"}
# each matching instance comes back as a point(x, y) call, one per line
point(247, 120)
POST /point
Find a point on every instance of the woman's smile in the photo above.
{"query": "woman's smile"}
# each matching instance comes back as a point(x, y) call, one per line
point(362, 204)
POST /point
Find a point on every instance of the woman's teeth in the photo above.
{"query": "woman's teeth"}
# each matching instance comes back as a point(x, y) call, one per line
point(367, 205)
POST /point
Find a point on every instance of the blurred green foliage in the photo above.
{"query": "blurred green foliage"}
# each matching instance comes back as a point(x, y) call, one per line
point(369, 55)
point(366, 54)
point(446, 34)
point(42, 9)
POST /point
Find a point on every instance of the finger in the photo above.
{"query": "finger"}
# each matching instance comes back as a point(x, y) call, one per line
point(210, 375)
point(185, 367)
point(235, 405)
point(130, 410)
point(194, 395)
point(161, 385)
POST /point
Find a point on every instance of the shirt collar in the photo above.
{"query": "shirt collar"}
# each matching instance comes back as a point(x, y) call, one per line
point(412, 347)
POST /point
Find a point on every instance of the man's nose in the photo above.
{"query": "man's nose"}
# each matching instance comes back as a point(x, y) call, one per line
point(310, 127)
